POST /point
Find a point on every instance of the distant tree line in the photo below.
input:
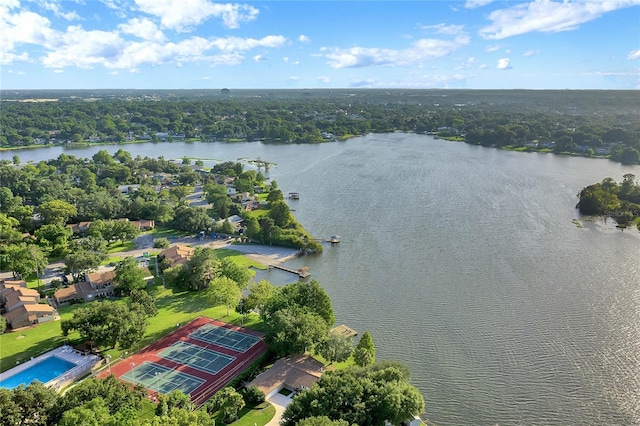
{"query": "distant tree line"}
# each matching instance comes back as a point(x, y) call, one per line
point(560, 121)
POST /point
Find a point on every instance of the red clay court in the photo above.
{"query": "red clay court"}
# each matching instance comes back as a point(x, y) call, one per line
point(198, 358)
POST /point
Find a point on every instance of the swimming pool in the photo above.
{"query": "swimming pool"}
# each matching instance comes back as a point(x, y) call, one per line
point(45, 370)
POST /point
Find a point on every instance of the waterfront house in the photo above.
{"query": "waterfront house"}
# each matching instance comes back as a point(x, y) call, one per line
point(295, 372)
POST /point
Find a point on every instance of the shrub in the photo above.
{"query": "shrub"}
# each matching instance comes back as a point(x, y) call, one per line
point(161, 243)
point(253, 396)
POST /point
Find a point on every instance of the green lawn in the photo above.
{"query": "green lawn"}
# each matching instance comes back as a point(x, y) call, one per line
point(20, 346)
point(164, 232)
point(259, 415)
point(239, 258)
point(120, 246)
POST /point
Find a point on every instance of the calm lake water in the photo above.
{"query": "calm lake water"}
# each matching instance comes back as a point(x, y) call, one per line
point(465, 265)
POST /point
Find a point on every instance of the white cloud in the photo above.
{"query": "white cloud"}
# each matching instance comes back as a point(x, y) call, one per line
point(23, 27)
point(504, 64)
point(185, 14)
point(492, 48)
point(472, 4)
point(356, 57)
point(58, 71)
point(142, 28)
point(634, 54)
point(531, 52)
point(547, 16)
point(236, 43)
point(54, 6)
point(259, 58)
point(295, 63)
point(445, 29)
point(303, 39)
point(324, 79)
point(294, 78)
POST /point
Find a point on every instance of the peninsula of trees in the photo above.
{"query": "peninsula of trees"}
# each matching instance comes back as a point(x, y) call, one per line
point(589, 123)
point(619, 201)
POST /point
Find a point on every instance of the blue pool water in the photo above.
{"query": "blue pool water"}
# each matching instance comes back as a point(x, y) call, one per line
point(45, 370)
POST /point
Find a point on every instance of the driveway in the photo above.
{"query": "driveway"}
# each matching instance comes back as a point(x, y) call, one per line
point(280, 402)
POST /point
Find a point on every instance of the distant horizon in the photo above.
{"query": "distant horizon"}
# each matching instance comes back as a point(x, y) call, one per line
point(231, 89)
point(429, 44)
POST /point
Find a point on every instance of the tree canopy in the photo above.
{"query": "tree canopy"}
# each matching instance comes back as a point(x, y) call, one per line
point(363, 396)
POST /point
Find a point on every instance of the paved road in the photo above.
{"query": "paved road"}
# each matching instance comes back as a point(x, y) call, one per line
point(267, 255)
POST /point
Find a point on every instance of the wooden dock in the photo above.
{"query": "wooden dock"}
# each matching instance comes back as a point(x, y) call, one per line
point(302, 272)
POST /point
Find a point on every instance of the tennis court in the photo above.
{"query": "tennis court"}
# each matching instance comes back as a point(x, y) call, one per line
point(161, 379)
point(225, 337)
point(197, 357)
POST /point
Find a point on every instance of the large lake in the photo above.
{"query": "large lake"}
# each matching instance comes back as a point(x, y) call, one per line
point(465, 265)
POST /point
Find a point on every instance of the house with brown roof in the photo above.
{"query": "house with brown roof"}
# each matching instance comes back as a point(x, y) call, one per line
point(79, 228)
point(294, 372)
point(176, 255)
point(16, 294)
point(21, 306)
point(143, 224)
point(75, 293)
point(31, 314)
point(102, 282)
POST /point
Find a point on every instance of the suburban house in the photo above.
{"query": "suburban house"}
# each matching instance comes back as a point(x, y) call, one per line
point(176, 255)
point(102, 282)
point(126, 189)
point(75, 293)
point(144, 224)
point(98, 285)
point(294, 373)
point(21, 306)
point(79, 228)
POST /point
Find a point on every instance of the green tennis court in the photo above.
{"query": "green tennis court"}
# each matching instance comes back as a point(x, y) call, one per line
point(161, 379)
point(224, 337)
point(197, 357)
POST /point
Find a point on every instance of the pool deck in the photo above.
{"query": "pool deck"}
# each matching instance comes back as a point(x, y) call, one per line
point(64, 352)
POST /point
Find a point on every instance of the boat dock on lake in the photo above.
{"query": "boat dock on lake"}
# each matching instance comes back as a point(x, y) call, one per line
point(301, 272)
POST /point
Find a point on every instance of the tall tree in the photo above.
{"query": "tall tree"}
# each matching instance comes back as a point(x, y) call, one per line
point(335, 348)
point(129, 276)
point(369, 396)
point(56, 212)
point(365, 352)
point(224, 290)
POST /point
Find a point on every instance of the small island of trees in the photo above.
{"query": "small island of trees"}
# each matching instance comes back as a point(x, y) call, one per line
point(619, 201)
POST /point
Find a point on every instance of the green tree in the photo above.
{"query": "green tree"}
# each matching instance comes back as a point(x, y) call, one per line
point(203, 267)
point(295, 331)
point(280, 213)
point(54, 239)
point(336, 348)
point(56, 212)
point(117, 395)
point(240, 274)
point(162, 243)
point(363, 396)
point(24, 260)
point(3, 324)
point(141, 300)
point(259, 294)
point(81, 261)
point(322, 421)
point(365, 352)
point(129, 276)
point(91, 413)
point(107, 324)
point(224, 290)
point(230, 403)
point(37, 405)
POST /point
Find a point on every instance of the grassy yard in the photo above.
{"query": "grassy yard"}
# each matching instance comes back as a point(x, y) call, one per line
point(259, 415)
point(239, 258)
point(164, 232)
point(120, 246)
point(20, 346)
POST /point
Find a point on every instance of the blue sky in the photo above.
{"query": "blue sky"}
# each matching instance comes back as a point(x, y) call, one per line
point(168, 44)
